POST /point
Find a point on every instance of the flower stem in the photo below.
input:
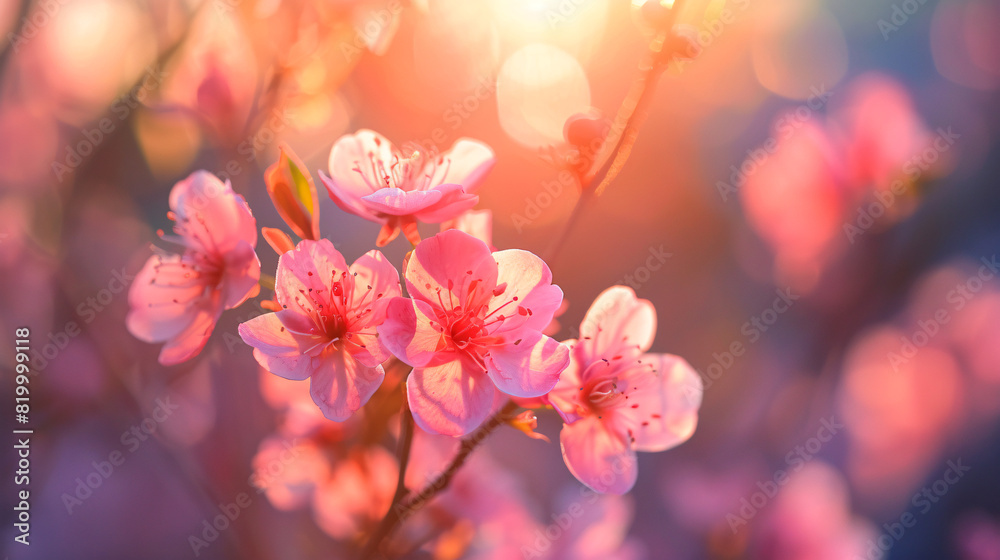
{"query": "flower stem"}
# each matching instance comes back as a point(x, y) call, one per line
point(617, 148)
point(408, 505)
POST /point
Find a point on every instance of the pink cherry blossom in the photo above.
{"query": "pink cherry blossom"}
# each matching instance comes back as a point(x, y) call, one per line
point(326, 327)
point(473, 330)
point(371, 178)
point(615, 399)
point(177, 299)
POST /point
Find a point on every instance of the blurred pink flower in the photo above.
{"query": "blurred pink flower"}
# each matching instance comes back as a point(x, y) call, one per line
point(617, 400)
point(472, 329)
point(477, 223)
point(177, 299)
point(357, 493)
point(811, 519)
point(326, 327)
point(372, 179)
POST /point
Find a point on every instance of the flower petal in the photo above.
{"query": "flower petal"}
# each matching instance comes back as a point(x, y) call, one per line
point(664, 397)
point(164, 298)
point(397, 202)
point(358, 163)
point(617, 324)
point(190, 342)
point(445, 399)
point(529, 299)
point(376, 283)
point(442, 269)
point(453, 202)
point(528, 367)
point(341, 385)
point(466, 163)
point(304, 278)
point(598, 457)
point(210, 215)
point(411, 332)
point(276, 348)
point(242, 275)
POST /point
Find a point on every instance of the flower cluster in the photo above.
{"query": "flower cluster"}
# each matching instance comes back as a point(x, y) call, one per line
point(464, 337)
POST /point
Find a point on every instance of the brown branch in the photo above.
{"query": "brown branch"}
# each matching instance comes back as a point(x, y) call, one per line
point(399, 512)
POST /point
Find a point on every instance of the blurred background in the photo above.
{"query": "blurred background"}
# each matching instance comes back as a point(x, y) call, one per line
point(811, 205)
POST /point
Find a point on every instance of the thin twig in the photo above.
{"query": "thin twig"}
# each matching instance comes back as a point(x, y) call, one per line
point(409, 506)
point(617, 148)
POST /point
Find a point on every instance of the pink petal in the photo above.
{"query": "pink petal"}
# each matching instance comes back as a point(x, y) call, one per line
point(189, 342)
point(341, 385)
point(662, 409)
point(376, 283)
point(442, 268)
point(466, 163)
point(454, 201)
point(565, 396)
point(276, 349)
point(346, 201)
point(241, 276)
point(477, 223)
point(358, 163)
point(446, 399)
point(598, 457)
point(164, 298)
point(617, 323)
point(412, 334)
point(397, 202)
point(213, 215)
point(529, 368)
point(528, 279)
point(305, 275)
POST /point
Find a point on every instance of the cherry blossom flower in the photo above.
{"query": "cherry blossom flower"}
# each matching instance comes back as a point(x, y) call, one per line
point(372, 179)
point(177, 299)
point(615, 399)
point(472, 330)
point(326, 327)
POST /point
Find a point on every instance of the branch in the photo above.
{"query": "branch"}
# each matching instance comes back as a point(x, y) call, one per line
point(399, 512)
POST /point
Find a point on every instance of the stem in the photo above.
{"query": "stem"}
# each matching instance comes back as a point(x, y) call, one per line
point(630, 117)
point(398, 512)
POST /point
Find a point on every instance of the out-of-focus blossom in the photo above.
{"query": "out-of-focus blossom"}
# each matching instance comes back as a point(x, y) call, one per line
point(477, 223)
point(357, 493)
point(616, 399)
point(978, 537)
point(371, 178)
point(177, 299)
point(473, 330)
point(288, 471)
point(810, 519)
point(816, 186)
point(326, 327)
point(900, 408)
